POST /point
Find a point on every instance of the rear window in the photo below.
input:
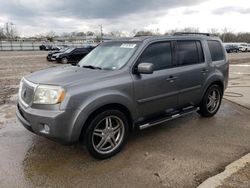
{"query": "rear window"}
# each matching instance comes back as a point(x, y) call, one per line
point(189, 52)
point(215, 50)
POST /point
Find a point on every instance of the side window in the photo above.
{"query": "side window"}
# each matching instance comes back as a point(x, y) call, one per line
point(159, 54)
point(75, 51)
point(83, 50)
point(189, 52)
point(215, 49)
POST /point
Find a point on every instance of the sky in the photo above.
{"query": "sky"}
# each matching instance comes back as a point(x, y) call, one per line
point(32, 17)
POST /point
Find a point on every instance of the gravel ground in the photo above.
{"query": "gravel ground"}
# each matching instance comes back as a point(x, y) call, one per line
point(14, 65)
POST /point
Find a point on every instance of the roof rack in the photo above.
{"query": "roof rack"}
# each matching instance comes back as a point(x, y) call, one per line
point(192, 33)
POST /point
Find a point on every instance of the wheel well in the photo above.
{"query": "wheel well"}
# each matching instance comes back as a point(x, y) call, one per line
point(112, 106)
point(219, 83)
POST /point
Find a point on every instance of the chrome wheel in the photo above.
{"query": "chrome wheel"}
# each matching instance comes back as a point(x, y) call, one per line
point(213, 100)
point(108, 134)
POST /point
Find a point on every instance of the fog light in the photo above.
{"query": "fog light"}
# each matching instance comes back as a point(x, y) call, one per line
point(46, 128)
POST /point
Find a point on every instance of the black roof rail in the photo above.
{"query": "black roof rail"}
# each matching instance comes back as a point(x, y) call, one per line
point(191, 33)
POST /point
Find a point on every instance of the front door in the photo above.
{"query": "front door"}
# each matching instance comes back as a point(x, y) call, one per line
point(156, 93)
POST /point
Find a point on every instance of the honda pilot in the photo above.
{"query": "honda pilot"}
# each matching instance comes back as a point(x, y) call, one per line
point(122, 86)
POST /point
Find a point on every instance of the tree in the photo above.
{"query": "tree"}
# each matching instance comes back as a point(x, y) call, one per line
point(116, 34)
point(243, 37)
point(214, 31)
point(90, 33)
point(10, 31)
point(2, 35)
point(141, 33)
point(50, 36)
point(98, 39)
point(80, 34)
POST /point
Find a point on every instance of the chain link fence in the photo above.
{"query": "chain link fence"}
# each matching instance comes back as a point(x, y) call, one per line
point(34, 45)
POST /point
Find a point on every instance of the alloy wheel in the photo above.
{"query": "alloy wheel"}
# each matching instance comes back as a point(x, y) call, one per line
point(108, 134)
point(213, 100)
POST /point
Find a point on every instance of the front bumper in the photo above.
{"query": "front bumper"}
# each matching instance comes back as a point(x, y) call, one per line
point(62, 125)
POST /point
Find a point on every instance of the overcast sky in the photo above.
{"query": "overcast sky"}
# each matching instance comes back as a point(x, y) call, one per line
point(40, 16)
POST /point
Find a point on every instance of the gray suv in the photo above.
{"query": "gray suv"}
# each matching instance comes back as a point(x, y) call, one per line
point(123, 86)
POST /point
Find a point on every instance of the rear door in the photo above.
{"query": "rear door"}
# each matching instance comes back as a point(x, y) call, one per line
point(192, 71)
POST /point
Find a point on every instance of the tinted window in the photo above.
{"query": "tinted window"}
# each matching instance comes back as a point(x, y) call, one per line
point(84, 50)
point(158, 54)
point(189, 52)
point(79, 50)
point(215, 50)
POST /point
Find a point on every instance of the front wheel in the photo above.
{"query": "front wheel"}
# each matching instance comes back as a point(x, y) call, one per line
point(106, 134)
point(211, 101)
point(64, 60)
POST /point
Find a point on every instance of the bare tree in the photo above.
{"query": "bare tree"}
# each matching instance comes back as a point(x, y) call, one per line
point(142, 32)
point(90, 33)
point(50, 36)
point(10, 31)
point(2, 35)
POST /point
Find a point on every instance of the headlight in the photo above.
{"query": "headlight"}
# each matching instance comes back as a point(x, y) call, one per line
point(46, 94)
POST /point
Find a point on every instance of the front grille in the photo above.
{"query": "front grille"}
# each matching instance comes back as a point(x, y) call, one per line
point(27, 92)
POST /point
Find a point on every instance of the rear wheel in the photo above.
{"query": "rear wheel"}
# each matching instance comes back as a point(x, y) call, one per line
point(211, 101)
point(106, 134)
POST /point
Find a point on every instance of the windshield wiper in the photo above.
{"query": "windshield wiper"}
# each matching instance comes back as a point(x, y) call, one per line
point(91, 67)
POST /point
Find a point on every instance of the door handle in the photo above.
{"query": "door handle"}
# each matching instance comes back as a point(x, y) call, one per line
point(171, 78)
point(204, 71)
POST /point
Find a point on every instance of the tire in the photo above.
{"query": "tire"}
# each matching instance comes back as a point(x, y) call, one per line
point(64, 60)
point(211, 101)
point(106, 134)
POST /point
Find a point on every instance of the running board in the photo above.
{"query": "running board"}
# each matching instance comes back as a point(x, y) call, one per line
point(168, 118)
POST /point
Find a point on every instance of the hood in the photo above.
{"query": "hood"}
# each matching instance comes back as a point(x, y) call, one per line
point(56, 54)
point(67, 75)
point(53, 52)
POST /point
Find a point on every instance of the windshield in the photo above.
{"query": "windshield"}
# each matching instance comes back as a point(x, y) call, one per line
point(110, 55)
point(63, 49)
point(69, 50)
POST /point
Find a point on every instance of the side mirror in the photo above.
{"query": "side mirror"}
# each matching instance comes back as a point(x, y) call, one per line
point(145, 68)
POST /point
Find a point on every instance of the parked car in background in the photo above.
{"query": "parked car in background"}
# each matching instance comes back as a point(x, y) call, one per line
point(72, 55)
point(51, 53)
point(231, 48)
point(45, 47)
point(243, 47)
point(55, 48)
point(48, 47)
point(248, 47)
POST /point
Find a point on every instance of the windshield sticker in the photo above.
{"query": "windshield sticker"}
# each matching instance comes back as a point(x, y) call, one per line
point(128, 45)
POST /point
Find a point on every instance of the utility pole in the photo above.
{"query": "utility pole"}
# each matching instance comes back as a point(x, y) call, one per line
point(101, 32)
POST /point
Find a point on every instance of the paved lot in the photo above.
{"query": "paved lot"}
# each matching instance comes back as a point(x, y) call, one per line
point(239, 84)
point(180, 153)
